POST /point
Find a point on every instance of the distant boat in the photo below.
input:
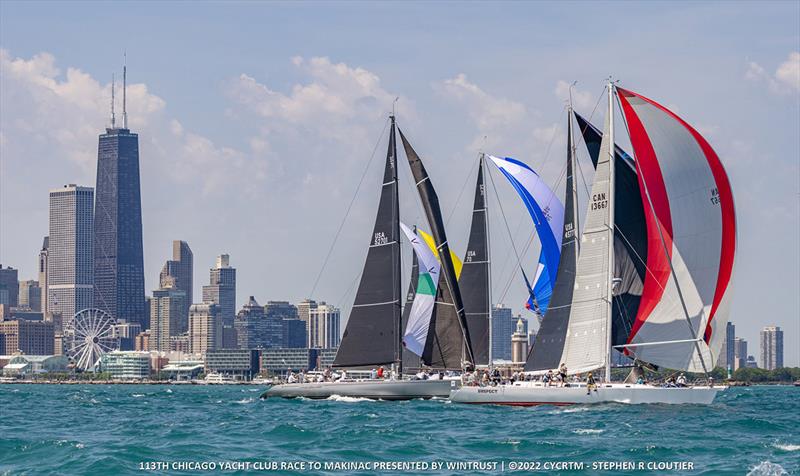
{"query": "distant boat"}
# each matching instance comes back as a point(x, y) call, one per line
point(797, 383)
point(650, 275)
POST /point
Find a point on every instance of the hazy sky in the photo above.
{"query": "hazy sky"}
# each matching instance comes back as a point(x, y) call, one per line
point(257, 121)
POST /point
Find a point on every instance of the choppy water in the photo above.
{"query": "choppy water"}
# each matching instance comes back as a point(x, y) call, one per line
point(105, 429)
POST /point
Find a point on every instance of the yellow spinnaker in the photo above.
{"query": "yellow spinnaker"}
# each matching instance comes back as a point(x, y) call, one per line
point(457, 264)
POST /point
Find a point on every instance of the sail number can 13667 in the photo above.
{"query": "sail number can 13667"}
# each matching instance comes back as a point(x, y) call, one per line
point(599, 201)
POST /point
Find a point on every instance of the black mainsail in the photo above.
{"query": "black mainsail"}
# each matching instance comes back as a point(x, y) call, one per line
point(630, 235)
point(474, 279)
point(448, 342)
point(549, 344)
point(372, 336)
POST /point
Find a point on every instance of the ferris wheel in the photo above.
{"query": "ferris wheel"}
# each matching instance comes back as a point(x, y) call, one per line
point(89, 335)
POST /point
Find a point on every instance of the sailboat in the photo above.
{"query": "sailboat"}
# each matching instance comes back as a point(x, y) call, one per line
point(377, 327)
point(651, 273)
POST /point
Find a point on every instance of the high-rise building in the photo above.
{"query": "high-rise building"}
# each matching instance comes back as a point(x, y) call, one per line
point(70, 252)
point(304, 309)
point(324, 326)
point(30, 295)
point(43, 253)
point(126, 332)
point(118, 253)
point(502, 328)
point(221, 289)
point(281, 316)
point(28, 337)
point(740, 357)
point(168, 316)
point(727, 353)
point(295, 334)
point(9, 286)
point(205, 328)
point(251, 326)
point(180, 269)
point(772, 348)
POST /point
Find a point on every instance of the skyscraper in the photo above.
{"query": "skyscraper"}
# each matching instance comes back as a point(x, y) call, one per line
point(304, 309)
point(727, 353)
point(30, 295)
point(284, 316)
point(251, 326)
point(70, 256)
point(502, 328)
point(43, 273)
point(119, 257)
point(9, 286)
point(205, 328)
point(180, 268)
point(168, 316)
point(740, 359)
point(771, 348)
point(221, 289)
point(324, 326)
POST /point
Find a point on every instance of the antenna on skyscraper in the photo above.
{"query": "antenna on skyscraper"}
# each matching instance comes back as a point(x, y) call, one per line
point(113, 119)
point(124, 90)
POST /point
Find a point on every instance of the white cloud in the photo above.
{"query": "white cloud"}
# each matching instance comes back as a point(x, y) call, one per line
point(786, 79)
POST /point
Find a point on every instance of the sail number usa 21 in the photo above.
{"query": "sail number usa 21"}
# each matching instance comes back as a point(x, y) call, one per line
point(599, 201)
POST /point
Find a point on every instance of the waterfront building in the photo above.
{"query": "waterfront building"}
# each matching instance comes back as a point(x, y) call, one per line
point(43, 259)
point(221, 289)
point(281, 361)
point(324, 321)
point(21, 365)
point(9, 286)
point(126, 365)
point(519, 343)
point(179, 343)
point(30, 295)
point(251, 326)
point(168, 316)
point(295, 334)
point(740, 357)
point(183, 370)
point(772, 348)
point(27, 337)
point(283, 323)
point(502, 328)
point(118, 251)
point(205, 328)
point(727, 353)
point(126, 333)
point(70, 255)
point(179, 270)
point(241, 364)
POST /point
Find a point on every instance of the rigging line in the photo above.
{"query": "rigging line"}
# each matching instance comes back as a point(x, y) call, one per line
point(585, 128)
point(349, 207)
point(664, 245)
point(461, 193)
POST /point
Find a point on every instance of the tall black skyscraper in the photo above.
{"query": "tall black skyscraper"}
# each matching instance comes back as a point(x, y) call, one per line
point(118, 254)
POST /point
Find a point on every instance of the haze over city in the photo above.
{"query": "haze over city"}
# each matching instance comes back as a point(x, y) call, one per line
point(254, 134)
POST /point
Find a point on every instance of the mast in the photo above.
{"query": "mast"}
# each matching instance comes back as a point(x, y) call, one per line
point(611, 188)
point(397, 272)
point(482, 166)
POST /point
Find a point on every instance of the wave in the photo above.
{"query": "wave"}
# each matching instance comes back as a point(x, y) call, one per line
point(169, 390)
point(137, 395)
point(765, 468)
point(587, 431)
point(340, 398)
point(245, 400)
point(786, 446)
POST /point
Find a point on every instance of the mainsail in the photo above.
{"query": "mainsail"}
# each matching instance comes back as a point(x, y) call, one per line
point(372, 333)
point(547, 213)
point(421, 309)
point(474, 280)
point(691, 230)
point(449, 340)
point(549, 344)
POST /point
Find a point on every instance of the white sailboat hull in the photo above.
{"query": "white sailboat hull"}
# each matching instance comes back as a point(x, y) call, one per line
point(531, 394)
point(372, 389)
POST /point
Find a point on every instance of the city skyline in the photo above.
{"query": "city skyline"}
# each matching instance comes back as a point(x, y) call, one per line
point(244, 158)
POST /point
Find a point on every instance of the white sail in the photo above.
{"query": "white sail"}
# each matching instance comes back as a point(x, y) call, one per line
point(587, 345)
point(416, 331)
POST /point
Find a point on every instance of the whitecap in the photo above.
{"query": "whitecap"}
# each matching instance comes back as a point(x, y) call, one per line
point(245, 400)
point(80, 445)
point(93, 401)
point(169, 390)
point(340, 398)
point(786, 446)
point(569, 410)
point(765, 468)
point(137, 395)
point(587, 431)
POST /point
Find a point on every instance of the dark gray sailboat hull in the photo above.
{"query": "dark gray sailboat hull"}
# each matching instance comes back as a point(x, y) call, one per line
point(372, 389)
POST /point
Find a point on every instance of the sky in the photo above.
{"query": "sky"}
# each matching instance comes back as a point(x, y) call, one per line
point(258, 121)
